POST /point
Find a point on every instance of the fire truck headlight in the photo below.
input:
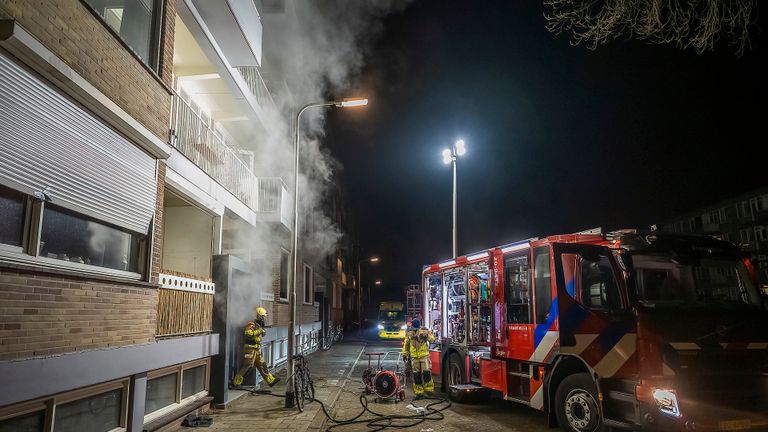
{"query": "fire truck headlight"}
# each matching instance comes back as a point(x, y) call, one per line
point(666, 401)
point(404, 327)
point(380, 327)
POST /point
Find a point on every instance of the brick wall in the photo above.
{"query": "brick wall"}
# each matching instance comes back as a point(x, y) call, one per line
point(83, 42)
point(42, 315)
point(157, 235)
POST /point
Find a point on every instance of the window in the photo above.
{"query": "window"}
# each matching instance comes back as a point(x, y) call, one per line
point(137, 22)
point(761, 233)
point(517, 290)
point(742, 210)
point(308, 284)
point(102, 407)
point(694, 223)
point(542, 284)
point(284, 275)
point(745, 235)
point(716, 217)
point(755, 205)
point(30, 422)
point(12, 215)
point(192, 381)
point(161, 392)
point(70, 237)
point(596, 286)
point(99, 412)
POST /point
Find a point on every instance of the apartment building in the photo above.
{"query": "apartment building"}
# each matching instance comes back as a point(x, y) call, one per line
point(87, 317)
point(742, 220)
point(141, 227)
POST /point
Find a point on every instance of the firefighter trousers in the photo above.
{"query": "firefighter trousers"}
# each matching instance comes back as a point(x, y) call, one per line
point(422, 376)
point(252, 358)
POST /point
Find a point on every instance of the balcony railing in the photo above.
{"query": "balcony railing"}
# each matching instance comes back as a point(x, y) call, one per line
point(256, 85)
point(195, 139)
point(185, 305)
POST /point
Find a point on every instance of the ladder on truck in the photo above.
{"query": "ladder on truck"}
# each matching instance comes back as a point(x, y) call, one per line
point(413, 301)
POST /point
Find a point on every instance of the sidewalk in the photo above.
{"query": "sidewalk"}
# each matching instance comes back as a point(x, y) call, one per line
point(254, 412)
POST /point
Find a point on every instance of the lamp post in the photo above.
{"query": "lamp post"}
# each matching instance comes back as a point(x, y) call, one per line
point(360, 290)
point(289, 395)
point(450, 157)
point(377, 283)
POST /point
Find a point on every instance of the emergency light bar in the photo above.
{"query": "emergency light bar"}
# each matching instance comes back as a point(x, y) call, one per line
point(477, 256)
point(447, 263)
point(516, 247)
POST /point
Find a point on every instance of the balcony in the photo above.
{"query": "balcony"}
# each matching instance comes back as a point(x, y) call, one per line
point(256, 85)
point(185, 305)
point(274, 201)
point(206, 148)
point(195, 138)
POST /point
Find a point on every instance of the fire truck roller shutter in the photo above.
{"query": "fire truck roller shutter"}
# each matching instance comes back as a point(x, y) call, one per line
point(49, 141)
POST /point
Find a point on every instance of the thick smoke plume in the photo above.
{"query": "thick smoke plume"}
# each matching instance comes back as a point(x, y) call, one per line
point(311, 51)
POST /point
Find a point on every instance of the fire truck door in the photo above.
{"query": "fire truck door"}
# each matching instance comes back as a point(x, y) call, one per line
point(594, 320)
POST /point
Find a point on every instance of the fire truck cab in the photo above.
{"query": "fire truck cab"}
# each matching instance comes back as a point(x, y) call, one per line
point(627, 330)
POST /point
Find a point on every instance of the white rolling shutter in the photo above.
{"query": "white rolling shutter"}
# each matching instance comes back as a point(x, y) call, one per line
point(49, 141)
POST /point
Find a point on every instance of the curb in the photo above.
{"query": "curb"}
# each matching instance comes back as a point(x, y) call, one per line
point(319, 420)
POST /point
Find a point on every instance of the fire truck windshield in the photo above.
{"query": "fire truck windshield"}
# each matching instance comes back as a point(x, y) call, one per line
point(663, 281)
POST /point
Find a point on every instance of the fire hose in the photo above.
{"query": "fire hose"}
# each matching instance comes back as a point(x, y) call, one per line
point(433, 411)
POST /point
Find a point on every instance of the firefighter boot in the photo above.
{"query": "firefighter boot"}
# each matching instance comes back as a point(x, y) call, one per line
point(237, 380)
point(272, 380)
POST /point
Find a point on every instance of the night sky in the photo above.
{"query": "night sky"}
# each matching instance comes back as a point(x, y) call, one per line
point(559, 138)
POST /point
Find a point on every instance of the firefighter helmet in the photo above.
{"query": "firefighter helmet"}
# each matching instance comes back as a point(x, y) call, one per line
point(261, 312)
point(416, 323)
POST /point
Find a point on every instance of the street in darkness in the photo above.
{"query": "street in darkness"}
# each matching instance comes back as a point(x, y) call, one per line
point(372, 215)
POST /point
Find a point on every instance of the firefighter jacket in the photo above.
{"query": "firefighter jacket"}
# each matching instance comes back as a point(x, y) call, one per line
point(253, 334)
point(416, 344)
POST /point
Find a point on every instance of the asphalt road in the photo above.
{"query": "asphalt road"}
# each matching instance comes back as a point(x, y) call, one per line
point(494, 415)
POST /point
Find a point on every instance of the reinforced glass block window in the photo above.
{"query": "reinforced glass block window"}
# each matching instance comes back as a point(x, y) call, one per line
point(72, 237)
point(161, 392)
point(100, 412)
point(12, 216)
point(192, 381)
point(137, 22)
point(31, 422)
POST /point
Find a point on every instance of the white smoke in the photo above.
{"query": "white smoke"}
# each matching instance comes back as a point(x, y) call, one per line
point(312, 49)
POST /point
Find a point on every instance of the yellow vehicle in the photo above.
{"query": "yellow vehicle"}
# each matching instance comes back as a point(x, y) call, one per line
point(392, 323)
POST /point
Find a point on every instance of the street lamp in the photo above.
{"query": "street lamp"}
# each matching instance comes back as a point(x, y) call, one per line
point(360, 290)
point(289, 401)
point(377, 283)
point(450, 156)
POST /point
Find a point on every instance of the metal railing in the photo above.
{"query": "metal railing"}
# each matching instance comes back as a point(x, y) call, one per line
point(270, 190)
point(256, 85)
point(195, 139)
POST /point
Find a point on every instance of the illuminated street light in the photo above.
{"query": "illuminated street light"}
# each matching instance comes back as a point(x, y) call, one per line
point(352, 103)
point(378, 282)
point(289, 395)
point(450, 156)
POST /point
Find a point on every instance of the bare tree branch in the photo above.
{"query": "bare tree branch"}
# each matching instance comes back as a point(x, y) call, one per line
point(695, 24)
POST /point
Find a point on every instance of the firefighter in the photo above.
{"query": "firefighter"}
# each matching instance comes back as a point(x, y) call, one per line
point(254, 331)
point(416, 350)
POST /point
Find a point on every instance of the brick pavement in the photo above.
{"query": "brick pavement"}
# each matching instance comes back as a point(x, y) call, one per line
point(258, 412)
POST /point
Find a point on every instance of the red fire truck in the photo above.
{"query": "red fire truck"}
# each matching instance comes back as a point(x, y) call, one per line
point(626, 330)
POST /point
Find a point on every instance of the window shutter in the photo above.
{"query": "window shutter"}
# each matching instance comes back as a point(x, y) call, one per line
point(49, 141)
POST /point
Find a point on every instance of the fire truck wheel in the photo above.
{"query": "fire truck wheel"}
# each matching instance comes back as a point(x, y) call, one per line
point(455, 375)
point(576, 404)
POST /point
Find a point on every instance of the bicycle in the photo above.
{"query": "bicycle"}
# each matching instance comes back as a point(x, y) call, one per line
point(335, 334)
point(303, 386)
